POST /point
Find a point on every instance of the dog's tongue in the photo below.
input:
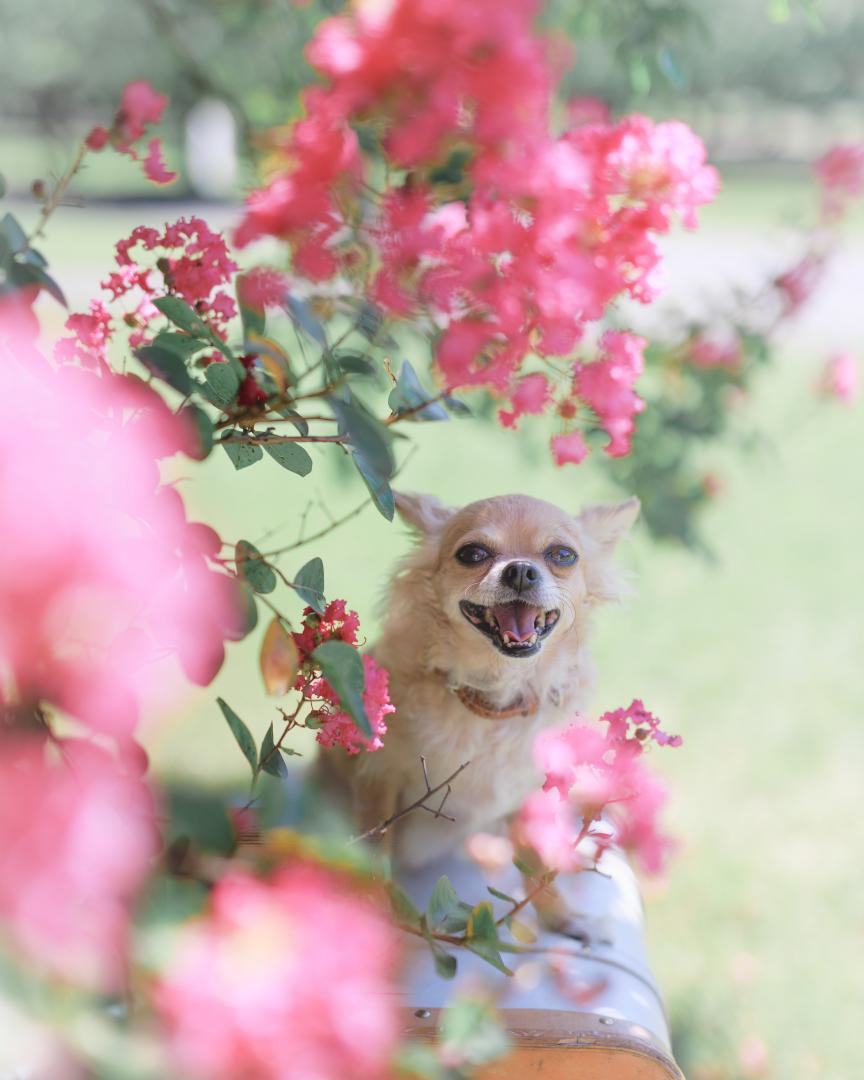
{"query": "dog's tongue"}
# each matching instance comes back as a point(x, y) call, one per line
point(516, 619)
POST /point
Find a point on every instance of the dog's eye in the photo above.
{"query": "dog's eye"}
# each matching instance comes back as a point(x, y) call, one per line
point(561, 555)
point(471, 554)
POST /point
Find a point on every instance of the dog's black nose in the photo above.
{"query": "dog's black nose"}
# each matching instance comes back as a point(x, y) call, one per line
point(520, 576)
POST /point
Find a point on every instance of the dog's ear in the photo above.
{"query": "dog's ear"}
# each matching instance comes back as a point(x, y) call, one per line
point(424, 513)
point(607, 523)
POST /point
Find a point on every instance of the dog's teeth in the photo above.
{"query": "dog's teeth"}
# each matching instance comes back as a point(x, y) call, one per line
point(532, 640)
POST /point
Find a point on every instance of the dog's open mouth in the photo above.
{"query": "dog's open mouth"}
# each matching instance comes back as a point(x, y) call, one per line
point(515, 629)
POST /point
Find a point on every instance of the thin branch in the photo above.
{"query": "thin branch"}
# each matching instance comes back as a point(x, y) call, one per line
point(321, 532)
point(262, 440)
point(418, 804)
point(56, 196)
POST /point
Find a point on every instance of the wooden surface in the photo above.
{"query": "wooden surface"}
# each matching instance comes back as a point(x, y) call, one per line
point(566, 1046)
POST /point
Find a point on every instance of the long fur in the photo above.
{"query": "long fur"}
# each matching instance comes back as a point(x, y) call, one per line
point(429, 648)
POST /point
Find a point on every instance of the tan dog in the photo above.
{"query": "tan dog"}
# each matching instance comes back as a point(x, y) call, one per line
point(486, 641)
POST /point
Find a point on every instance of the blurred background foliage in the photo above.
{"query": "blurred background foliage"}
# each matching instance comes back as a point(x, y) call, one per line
point(741, 66)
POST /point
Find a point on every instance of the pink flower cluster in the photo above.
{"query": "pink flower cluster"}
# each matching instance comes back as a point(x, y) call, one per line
point(334, 726)
point(77, 839)
point(286, 979)
point(102, 574)
point(542, 235)
point(140, 106)
point(193, 263)
point(841, 174)
point(606, 386)
point(589, 774)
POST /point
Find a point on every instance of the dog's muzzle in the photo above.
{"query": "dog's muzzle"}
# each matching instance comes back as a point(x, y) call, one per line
point(515, 628)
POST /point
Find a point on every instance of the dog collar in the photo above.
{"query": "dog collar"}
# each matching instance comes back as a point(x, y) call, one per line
point(477, 702)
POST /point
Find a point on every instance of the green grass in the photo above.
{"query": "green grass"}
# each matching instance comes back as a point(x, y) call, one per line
point(755, 660)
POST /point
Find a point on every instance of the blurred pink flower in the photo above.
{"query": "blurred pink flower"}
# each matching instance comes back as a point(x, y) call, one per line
point(531, 395)
point(76, 841)
point(841, 173)
point(289, 979)
point(570, 448)
point(606, 385)
point(590, 774)
point(840, 378)
point(101, 574)
point(337, 728)
point(140, 106)
point(705, 351)
point(587, 110)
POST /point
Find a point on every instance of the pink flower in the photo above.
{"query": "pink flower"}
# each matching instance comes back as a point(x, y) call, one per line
point(91, 336)
point(797, 284)
point(840, 378)
point(337, 728)
point(337, 623)
point(606, 385)
point(570, 448)
point(154, 164)
point(296, 958)
point(841, 173)
point(715, 352)
point(97, 555)
point(77, 839)
point(140, 106)
point(532, 395)
point(262, 287)
point(589, 774)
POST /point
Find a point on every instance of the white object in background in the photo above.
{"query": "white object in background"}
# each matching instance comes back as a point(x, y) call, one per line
point(211, 149)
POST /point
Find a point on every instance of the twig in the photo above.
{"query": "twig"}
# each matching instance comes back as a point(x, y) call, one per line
point(418, 804)
point(54, 199)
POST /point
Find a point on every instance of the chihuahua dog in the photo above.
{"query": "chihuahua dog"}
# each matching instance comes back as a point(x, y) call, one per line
point(486, 641)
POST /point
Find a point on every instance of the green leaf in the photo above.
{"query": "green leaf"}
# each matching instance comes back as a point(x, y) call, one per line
point(242, 734)
point(354, 364)
point(242, 454)
point(445, 962)
point(2, 186)
point(168, 366)
point(270, 759)
point(252, 567)
point(221, 384)
point(13, 234)
point(366, 435)
point(28, 273)
point(181, 344)
point(379, 488)
point(402, 905)
point(295, 418)
point(244, 617)
point(308, 583)
point(290, 456)
point(408, 394)
point(482, 936)
point(446, 911)
point(202, 427)
point(187, 318)
point(342, 667)
point(301, 315)
point(457, 407)
point(500, 895)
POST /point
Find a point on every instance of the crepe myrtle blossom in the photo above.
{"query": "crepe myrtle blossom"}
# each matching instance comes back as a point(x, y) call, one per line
point(840, 171)
point(290, 978)
point(77, 839)
point(186, 259)
point(334, 727)
point(140, 107)
point(606, 385)
point(592, 774)
point(840, 378)
point(542, 233)
point(102, 574)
